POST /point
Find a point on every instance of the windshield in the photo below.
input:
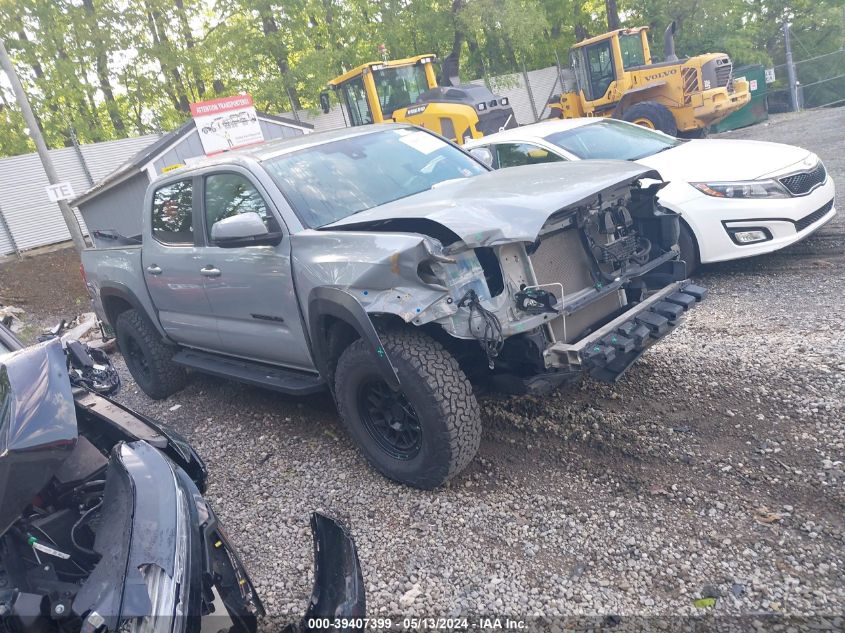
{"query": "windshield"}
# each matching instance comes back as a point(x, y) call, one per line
point(631, 45)
point(612, 139)
point(333, 180)
point(399, 87)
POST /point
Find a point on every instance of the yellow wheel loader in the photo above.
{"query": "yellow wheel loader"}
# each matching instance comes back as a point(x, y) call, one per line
point(406, 90)
point(613, 75)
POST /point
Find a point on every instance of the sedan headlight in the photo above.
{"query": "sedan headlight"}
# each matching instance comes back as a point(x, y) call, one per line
point(169, 595)
point(744, 189)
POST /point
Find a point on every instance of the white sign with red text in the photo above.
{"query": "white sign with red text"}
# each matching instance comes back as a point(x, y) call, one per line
point(226, 123)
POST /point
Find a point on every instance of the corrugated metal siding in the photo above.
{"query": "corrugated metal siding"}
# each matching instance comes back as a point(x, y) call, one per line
point(119, 209)
point(32, 218)
point(5, 239)
point(104, 158)
point(541, 82)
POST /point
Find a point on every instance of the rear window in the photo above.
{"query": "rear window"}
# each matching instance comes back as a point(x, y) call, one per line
point(173, 213)
point(612, 139)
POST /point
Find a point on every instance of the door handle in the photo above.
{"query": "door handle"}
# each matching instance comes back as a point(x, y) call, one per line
point(210, 271)
point(154, 269)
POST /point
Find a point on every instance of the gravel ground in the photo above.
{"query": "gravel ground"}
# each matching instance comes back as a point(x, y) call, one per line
point(713, 469)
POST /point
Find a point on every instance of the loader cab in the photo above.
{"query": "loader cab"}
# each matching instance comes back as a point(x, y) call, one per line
point(600, 61)
point(372, 92)
point(406, 90)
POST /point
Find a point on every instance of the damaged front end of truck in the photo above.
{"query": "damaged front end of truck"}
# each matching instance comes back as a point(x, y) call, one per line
point(531, 277)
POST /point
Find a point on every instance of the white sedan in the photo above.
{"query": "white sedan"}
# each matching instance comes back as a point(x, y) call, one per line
point(736, 198)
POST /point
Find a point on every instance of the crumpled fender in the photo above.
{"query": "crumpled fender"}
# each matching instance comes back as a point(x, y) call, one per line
point(339, 303)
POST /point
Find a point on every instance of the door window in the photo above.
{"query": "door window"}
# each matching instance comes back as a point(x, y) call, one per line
point(173, 213)
point(229, 194)
point(516, 154)
point(356, 102)
point(600, 66)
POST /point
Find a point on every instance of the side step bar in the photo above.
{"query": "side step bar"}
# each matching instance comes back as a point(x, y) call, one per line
point(291, 382)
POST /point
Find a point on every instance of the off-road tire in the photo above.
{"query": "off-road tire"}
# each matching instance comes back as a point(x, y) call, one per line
point(438, 391)
point(163, 377)
point(658, 114)
point(689, 249)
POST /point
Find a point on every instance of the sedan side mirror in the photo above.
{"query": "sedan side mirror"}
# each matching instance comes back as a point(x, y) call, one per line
point(483, 154)
point(325, 104)
point(244, 229)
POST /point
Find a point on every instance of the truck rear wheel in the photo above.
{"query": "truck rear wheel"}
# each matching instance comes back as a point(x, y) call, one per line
point(424, 434)
point(653, 115)
point(148, 357)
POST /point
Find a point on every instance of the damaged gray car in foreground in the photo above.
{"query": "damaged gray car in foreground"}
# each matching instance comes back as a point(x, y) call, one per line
point(391, 267)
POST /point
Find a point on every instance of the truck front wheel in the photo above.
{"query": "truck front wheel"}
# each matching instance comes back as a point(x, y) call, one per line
point(148, 357)
point(424, 434)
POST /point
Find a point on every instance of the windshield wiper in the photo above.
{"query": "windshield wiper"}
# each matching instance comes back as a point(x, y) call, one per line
point(662, 149)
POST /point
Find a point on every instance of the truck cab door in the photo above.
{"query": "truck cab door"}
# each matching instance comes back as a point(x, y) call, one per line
point(171, 266)
point(250, 288)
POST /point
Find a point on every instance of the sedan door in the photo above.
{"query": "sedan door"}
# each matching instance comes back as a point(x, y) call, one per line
point(172, 265)
point(250, 288)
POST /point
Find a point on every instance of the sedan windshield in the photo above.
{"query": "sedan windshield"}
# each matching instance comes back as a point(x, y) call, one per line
point(328, 182)
point(612, 139)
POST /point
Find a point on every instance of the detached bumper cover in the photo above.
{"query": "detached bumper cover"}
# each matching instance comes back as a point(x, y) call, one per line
point(608, 352)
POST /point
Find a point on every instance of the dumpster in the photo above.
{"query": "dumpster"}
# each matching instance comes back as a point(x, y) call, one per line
point(755, 110)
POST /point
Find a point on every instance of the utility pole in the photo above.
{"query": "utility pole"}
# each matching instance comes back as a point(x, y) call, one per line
point(790, 69)
point(41, 146)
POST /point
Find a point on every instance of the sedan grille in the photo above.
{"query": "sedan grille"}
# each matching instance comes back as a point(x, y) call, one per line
point(814, 217)
point(803, 183)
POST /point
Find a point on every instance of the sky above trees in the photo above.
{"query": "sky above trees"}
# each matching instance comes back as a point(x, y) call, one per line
point(105, 69)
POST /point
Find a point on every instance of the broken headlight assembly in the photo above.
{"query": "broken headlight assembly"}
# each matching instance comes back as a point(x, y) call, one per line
point(169, 594)
point(748, 189)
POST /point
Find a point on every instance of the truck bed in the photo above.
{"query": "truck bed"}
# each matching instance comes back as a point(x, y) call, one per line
point(118, 267)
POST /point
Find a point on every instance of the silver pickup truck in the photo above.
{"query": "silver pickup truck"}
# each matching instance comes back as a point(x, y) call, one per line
point(395, 270)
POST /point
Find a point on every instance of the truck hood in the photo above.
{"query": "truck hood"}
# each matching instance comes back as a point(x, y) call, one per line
point(509, 205)
point(724, 160)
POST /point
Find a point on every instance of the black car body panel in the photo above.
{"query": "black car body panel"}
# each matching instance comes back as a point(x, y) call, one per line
point(37, 425)
point(71, 454)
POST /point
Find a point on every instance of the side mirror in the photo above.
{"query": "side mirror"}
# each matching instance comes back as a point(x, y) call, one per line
point(244, 229)
point(325, 104)
point(483, 154)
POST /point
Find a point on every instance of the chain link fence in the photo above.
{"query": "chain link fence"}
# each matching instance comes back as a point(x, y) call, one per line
point(820, 80)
